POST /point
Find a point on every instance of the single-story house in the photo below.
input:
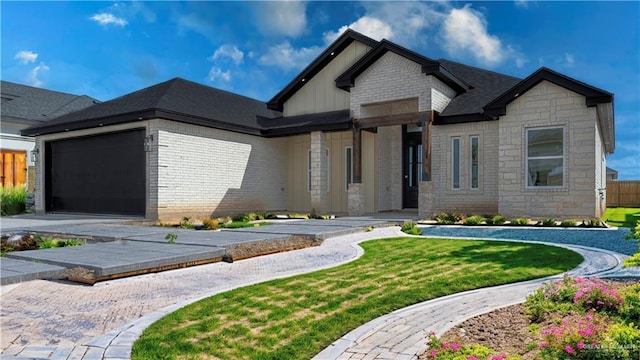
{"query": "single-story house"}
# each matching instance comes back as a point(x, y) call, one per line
point(368, 126)
point(24, 106)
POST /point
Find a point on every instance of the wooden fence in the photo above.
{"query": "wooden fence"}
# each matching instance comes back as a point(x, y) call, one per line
point(623, 193)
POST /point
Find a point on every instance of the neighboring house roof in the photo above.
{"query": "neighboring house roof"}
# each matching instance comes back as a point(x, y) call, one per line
point(429, 66)
point(30, 105)
point(177, 99)
point(593, 97)
point(612, 173)
point(341, 43)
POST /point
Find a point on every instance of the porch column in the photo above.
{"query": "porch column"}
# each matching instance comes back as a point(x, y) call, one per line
point(356, 190)
point(426, 200)
point(319, 167)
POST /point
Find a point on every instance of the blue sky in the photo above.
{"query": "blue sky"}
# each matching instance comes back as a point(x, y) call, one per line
point(108, 49)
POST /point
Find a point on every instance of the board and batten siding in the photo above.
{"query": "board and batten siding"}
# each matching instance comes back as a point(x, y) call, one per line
point(320, 93)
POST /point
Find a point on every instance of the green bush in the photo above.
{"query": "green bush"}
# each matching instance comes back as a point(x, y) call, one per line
point(569, 223)
point(592, 223)
point(635, 232)
point(13, 200)
point(629, 310)
point(448, 218)
point(473, 220)
point(410, 228)
point(496, 220)
point(519, 221)
point(548, 222)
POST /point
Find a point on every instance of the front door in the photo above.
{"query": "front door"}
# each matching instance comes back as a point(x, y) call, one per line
point(412, 169)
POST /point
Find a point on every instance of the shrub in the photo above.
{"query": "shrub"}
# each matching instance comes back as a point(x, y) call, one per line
point(171, 238)
point(629, 310)
point(573, 339)
point(635, 232)
point(454, 351)
point(624, 340)
point(548, 222)
point(592, 223)
point(519, 221)
point(448, 218)
point(496, 220)
point(593, 294)
point(210, 224)
point(569, 223)
point(13, 200)
point(473, 220)
point(410, 228)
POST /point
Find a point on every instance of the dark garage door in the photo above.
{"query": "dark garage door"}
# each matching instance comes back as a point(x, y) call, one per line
point(97, 174)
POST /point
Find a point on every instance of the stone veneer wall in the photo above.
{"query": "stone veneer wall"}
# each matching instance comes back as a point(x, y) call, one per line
point(442, 197)
point(203, 171)
point(548, 105)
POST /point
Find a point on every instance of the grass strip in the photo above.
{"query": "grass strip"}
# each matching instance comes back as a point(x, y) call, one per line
point(297, 317)
point(622, 217)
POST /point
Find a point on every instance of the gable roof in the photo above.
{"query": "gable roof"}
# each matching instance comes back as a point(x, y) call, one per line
point(593, 95)
point(341, 43)
point(429, 66)
point(31, 105)
point(484, 86)
point(176, 99)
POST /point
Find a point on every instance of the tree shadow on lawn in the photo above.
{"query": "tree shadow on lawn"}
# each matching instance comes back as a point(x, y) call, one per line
point(510, 255)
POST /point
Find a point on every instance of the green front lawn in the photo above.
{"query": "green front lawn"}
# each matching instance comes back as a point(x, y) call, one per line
point(620, 216)
point(297, 317)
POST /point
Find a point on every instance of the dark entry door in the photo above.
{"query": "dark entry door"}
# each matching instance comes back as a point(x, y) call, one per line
point(97, 174)
point(412, 169)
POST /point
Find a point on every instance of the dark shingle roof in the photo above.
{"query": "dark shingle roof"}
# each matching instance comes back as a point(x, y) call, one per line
point(176, 99)
point(31, 105)
point(485, 86)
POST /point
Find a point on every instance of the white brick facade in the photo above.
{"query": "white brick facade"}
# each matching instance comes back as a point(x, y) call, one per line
point(203, 172)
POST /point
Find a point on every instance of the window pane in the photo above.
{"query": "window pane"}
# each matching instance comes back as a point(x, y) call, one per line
point(545, 172)
point(545, 142)
point(474, 162)
point(456, 164)
point(349, 168)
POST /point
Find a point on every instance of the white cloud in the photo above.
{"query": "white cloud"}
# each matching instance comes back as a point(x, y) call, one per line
point(216, 74)
point(37, 71)
point(26, 56)
point(569, 59)
point(522, 3)
point(465, 31)
point(192, 22)
point(228, 51)
point(106, 19)
point(369, 26)
point(286, 57)
point(286, 18)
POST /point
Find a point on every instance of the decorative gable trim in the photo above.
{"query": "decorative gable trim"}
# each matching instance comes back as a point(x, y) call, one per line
point(593, 95)
point(341, 43)
point(429, 67)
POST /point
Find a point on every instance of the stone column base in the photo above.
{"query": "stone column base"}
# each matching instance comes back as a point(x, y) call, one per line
point(356, 199)
point(426, 200)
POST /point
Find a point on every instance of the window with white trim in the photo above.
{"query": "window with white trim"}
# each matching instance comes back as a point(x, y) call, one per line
point(309, 170)
point(348, 161)
point(455, 163)
point(474, 157)
point(545, 157)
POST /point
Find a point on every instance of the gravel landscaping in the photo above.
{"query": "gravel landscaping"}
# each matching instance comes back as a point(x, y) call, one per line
point(608, 239)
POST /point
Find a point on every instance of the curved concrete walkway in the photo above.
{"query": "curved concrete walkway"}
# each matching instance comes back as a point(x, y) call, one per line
point(49, 320)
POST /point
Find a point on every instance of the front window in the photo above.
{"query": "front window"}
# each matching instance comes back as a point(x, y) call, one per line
point(545, 157)
point(455, 163)
point(475, 162)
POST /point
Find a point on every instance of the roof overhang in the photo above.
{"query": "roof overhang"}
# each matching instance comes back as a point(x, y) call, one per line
point(301, 124)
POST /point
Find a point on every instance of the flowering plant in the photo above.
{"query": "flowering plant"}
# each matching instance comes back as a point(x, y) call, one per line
point(439, 350)
point(575, 338)
point(594, 294)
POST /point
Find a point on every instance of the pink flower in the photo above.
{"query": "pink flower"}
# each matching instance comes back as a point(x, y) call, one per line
point(472, 358)
point(455, 346)
point(580, 345)
point(544, 344)
point(433, 353)
point(569, 349)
